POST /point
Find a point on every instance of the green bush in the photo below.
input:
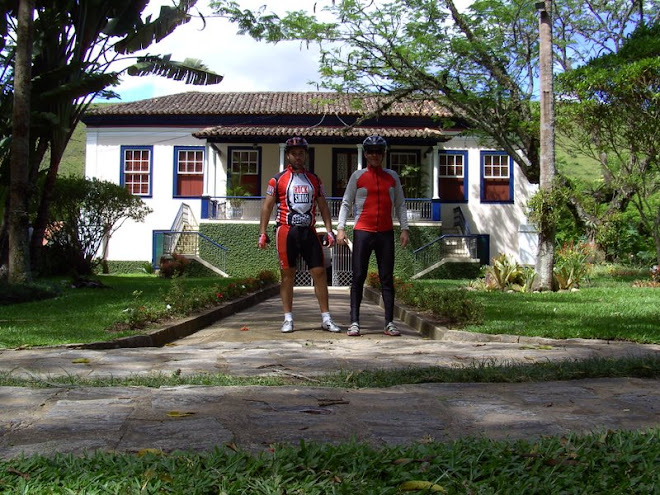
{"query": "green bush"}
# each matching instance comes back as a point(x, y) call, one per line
point(179, 300)
point(454, 306)
point(572, 265)
point(174, 266)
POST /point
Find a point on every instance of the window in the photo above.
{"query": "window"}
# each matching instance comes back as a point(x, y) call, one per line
point(244, 168)
point(452, 176)
point(496, 177)
point(136, 169)
point(451, 165)
point(496, 166)
point(189, 171)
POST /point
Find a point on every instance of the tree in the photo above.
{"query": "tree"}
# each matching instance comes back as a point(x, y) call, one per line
point(19, 262)
point(79, 46)
point(85, 214)
point(546, 241)
point(481, 63)
point(614, 115)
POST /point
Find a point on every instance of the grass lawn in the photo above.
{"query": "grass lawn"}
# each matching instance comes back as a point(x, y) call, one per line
point(607, 307)
point(603, 462)
point(89, 314)
point(608, 462)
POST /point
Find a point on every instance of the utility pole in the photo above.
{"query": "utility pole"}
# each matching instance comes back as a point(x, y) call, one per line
point(546, 252)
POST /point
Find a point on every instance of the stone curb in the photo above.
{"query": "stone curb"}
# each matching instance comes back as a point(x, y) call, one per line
point(183, 328)
point(435, 332)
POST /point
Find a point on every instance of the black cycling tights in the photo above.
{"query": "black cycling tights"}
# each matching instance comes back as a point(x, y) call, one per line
point(365, 243)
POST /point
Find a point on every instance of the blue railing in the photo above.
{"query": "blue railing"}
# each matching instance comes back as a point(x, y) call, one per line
point(188, 243)
point(445, 246)
point(249, 208)
point(460, 222)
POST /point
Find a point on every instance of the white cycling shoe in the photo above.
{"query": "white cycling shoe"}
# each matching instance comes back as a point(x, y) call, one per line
point(330, 326)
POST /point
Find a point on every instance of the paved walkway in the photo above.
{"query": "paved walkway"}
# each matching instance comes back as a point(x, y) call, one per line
point(248, 343)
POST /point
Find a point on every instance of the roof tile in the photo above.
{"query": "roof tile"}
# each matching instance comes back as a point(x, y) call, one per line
point(268, 103)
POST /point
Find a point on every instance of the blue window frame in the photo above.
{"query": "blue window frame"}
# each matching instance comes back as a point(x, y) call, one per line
point(496, 177)
point(453, 176)
point(188, 171)
point(136, 173)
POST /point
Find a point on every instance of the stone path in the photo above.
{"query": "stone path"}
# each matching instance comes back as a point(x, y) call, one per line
point(77, 419)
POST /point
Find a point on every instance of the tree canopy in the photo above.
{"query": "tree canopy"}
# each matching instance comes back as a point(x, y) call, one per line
point(81, 49)
point(480, 62)
point(612, 113)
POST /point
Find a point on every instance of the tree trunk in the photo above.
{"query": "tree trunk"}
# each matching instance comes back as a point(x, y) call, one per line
point(546, 254)
point(19, 253)
point(42, 219)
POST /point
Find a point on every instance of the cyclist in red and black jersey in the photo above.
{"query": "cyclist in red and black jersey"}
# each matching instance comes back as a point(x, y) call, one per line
point(297, 192)
point(374, 191)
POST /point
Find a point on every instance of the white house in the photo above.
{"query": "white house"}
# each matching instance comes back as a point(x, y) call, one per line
point(181, 152)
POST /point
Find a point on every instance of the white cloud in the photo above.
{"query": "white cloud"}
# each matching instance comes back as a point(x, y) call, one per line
point(246, 65)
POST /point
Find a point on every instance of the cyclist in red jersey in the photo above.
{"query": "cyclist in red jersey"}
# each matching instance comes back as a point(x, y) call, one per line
point(297, 192)
point(374, 191)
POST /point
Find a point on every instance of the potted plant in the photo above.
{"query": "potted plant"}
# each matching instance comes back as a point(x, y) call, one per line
point(234, 202)
point(414, 182)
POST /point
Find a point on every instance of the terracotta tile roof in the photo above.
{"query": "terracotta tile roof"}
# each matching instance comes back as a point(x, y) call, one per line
point(267, 103)
point(233, 131)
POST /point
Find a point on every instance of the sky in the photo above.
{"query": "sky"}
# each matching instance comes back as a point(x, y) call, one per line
point(246, 65)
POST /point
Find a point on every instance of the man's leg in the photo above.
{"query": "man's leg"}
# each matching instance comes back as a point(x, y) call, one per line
point(321, 287)
point(286, 289)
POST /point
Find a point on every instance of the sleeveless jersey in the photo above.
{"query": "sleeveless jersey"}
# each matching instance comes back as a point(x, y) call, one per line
point(295, 194)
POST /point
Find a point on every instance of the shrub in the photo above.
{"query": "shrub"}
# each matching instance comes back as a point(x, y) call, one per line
point(180, 300)
point(174, 266)
point(506, 274)
point(455, 307)
point(572, 264)
point(654, 273)
point(451, 306)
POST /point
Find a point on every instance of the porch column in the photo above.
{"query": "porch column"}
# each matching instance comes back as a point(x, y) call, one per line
point(360, 149)
point(282, 147)
point(436, 213)
point(210, 170)
point(436, 172)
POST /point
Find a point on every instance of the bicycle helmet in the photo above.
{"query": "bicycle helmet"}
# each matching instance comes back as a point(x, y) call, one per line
point(374, 143)
point(295, 142)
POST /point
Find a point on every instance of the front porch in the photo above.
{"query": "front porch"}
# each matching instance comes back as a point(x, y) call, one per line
point(248, 208)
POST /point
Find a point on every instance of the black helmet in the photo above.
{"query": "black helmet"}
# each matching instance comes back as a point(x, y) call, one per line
point(295, 142)
point(374, 143)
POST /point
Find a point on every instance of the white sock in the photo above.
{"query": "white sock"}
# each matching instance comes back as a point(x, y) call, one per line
point(325, 317)
point(288, 316)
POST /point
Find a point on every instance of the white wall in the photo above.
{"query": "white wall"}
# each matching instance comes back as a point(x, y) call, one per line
point(501, 220)
point(134, 241)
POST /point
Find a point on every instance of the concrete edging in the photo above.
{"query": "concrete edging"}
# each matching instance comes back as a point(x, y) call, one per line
point(436, 332)
point(185, 327)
